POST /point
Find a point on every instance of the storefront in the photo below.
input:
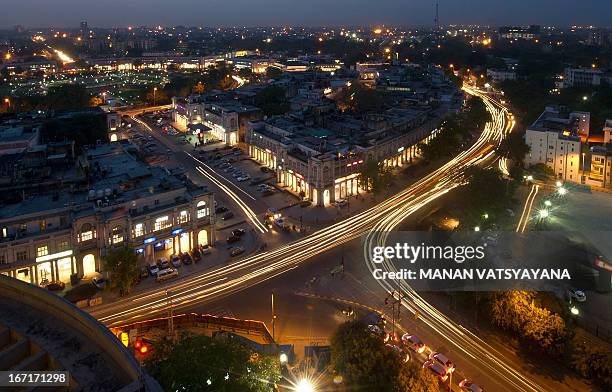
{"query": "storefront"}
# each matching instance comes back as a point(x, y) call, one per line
point(265, 157)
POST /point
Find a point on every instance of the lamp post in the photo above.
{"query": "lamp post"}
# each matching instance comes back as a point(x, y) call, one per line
point(154, 96)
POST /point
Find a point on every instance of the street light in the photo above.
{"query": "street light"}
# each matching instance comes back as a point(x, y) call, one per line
point(530, 178)
point(559, 184)
point(154, 95)
point(283, 358)
point(575, 311)
point(477, 228)
point(547, 203)
point(544, 214)
point(486, 216)
point(562, 191)
point(8, 102)
point(304, 386)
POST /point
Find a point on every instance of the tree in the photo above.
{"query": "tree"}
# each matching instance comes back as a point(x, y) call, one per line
point(518, 312)
point(274, 72)
point(202, 363)
point(122, 263)
point(486, 189)
point(362, 359)
point(593, 362)
point(360, 99)
point(67, 96)
point(366, 364)
point(272, 100)
point(414, 378)
point(84, 129)
point(514, 147)
point(374, 176)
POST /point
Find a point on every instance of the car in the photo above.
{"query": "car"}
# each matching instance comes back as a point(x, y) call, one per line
point(56, 285)
point(405, 356)
point(153, 269)
point(232, 238)
point(228, 215)
point(229, 169)
point(575, 294)
point(468, 385)
point(186, 258)
point(237, 174)
point(221, 209)
point(144, 273)
point(243, 178)
point(280, 223)
point(176, 261)
point(236, 251)
point(205, 250)
point(238, 232)
point(376, 330)
point(437, 369)
point(340, 203)
point(413, 342)
point(267, 192)
point(443, 360)
point(196, 255)
point(163, 263)
point(165, 274)
point(99, 282)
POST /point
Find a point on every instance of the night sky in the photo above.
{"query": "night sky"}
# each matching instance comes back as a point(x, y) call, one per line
point(108, 13)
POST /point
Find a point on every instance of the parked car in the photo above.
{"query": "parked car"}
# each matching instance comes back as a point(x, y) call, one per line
point(405, 356)
point(144, 273)
point(205, 250)
point(469, 386)
point(56, 285)
point(176, 261)
point(232, 238)
point(153, 269)
point(99, 282)
point(243, 178)
point(186, 258)
point(166, 274)
point(443, 360)
point(436, 369)
point(221, 209)
point(376, 330)
point(413, 343)
point(575, 294)
point(238, 232)
point(163, 263)
point(237, 251)
point(228, 215)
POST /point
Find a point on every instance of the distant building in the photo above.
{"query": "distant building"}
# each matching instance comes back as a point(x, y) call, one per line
point(599, 37)
point(500, 75)
point(581, 77)
point(554, 139)
point(513, 32)
point(600, 173)
point(18, 138)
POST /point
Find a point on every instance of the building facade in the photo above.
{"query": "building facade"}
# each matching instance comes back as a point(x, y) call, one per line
point(66, 233)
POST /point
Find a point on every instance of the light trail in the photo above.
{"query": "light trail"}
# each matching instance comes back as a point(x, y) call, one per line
point(463, 340)
point(253, 270)
point(522, 225)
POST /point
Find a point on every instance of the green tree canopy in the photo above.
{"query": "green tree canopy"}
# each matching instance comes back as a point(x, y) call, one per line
point(374, 176)
point(84, 129)
point(67, 96)
point(272, 100)
point(514, 147)
point(366, 364)
point(123, 266)
point(274, 72)
point(202, 363)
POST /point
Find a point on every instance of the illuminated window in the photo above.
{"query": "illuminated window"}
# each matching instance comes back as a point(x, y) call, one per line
point(138, 230)
point(162, 223)
point(203, 211)
point(42, 251)
point(42, 225)
point(117, 235)
point(87, 233)
point(183, 217)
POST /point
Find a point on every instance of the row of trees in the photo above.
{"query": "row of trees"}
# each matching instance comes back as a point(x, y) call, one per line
point(456, 130)
point(366, 364)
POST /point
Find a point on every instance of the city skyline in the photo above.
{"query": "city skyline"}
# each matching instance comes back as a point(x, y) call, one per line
point(215, 13)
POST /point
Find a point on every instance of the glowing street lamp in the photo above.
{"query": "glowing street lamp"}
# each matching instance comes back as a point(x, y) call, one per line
point(477, 228)
point(154, 95)
point(544, 213)
point(574, 311)
point(530, 178)
point(7, 102)
point(283, 358)
point(486, 216)
point(559, 184)
point(304, 386)
point(562, 191)
point(547, 203)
